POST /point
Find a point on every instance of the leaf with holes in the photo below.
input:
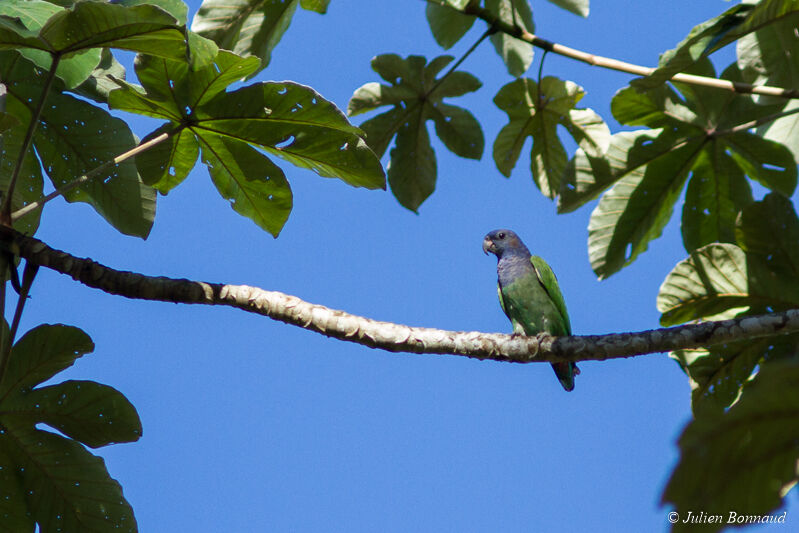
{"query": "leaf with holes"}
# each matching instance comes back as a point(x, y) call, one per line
point(168, 163)
point(515, 53)
point(415, 95)
point(742, 460)
point(63, 485)
point(700, 135)
point(536, 112)
point(255, 187)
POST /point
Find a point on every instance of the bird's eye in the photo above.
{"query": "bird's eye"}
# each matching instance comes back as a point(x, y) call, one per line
point(501, 235)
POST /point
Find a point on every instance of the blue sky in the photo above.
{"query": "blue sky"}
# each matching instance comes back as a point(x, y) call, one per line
point(252, 425)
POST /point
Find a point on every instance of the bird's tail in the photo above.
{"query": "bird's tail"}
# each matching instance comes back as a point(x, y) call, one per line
point(566, 372)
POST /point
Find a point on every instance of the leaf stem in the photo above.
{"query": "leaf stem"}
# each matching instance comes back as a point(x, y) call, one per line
point(460, 61)
point(758, 122)
point(5, 210)
point(38, 204)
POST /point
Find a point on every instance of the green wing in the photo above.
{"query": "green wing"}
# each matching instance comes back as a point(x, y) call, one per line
point(550, 284)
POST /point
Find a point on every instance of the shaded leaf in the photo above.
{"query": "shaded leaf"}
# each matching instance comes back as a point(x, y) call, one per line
point(255, 187)
point(102, 79)
point(742, 460)
point(412, 170)
point(75, 137)
point(168, 163)
point(247, 26)
point(536, 112)
point(458, 130)
point(717, 373)
point(716, 193)
point(447, 24)
point(40, 354)
point(14, 514)
point(416, 96)
point(66, 487)
point(770, 229)
point(515, 53)
point(91, 413)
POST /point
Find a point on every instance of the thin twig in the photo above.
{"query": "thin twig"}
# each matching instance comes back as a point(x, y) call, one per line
point(474, 9)
point(5, 210)
point(38, 204)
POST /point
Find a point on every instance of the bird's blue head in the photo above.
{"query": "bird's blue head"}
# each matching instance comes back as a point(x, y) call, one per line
point(502, 242)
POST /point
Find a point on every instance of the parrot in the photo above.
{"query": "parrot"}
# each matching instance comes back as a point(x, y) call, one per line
point(529, 294)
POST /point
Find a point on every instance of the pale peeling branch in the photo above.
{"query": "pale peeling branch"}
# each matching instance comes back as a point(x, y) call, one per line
point(474, 9)
point(397, 337)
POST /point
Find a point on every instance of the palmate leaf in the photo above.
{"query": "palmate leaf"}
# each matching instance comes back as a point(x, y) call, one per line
point(73, 138)
point(255, 187)
point(536, 112)
point(768, 57)
point(515, 53)
point(696, 135)
point(63, 486)
point(742, 460)
point(416, 95)
point(446, 23)
point(284, 119)
point(249, 26)
point(723, 280)
point(718, 32)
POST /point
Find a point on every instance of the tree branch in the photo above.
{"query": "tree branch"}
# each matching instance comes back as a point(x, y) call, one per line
point(474, 9)
point(397, 337)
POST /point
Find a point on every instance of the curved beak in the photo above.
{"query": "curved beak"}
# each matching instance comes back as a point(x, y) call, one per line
point(488, 246)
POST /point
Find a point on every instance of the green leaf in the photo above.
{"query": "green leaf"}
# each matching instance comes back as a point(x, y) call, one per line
point(176, 8)
point(247, 26)
point(785, 130)
point(94, 414)
point(40, 354)
point(515, 53)
point(536, 112)
point(716, 193)
point(578, 7)
point(255, 187)
point(447, 24)
point(29, 181)
point(744, 460)
point(768, 57)
point(102, 79)
point(318, 6)
point(701, 134)
point(636, 209)
point(416, 96)
point(458, 130)
point(769, 229)
point(32, 14)
point(73, 138)
point(703, 40)
point(412, 170)
point(718, 277)
point(65, 486)
point(168, 163)
point(297, 124)
point(14, 515)
point(718, 373)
